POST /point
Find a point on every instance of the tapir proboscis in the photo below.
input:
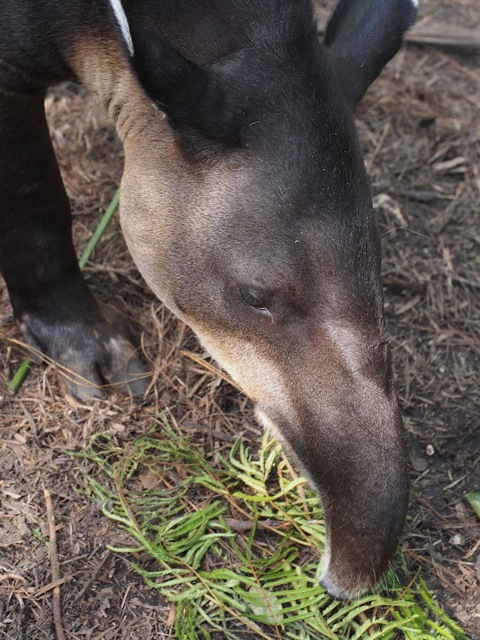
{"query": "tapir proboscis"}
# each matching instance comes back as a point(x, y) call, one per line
point(246, 207)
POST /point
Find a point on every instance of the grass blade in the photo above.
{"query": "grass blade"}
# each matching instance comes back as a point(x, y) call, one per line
point(251, 581)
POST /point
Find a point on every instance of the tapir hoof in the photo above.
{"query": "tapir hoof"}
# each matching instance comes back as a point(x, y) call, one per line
point(90, 355)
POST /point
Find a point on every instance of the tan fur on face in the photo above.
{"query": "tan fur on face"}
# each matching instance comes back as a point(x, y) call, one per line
point(158, 185)
point(258, 375)
point(100, 65)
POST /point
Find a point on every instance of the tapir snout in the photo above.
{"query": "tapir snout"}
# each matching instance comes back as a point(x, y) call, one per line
point(345, 431)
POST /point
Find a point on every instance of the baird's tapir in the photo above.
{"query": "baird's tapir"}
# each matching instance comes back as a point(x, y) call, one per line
point(246, 207)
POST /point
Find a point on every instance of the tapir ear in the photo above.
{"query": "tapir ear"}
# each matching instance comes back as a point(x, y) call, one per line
point(362, 36)
point(186, 92)
point(176, 84)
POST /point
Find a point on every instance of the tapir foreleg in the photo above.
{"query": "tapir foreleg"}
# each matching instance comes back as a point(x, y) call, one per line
point(52, 304)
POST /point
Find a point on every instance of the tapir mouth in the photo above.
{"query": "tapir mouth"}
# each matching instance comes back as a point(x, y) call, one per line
point(361, 475)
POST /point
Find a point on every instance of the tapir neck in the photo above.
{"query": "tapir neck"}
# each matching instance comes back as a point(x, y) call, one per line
point(101, 66)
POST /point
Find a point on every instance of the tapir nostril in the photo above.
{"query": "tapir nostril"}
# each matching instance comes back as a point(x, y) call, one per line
point(363, 531)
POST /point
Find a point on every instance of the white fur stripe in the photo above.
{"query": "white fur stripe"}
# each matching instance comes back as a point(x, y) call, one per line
point(122, 23)
point(415, 3)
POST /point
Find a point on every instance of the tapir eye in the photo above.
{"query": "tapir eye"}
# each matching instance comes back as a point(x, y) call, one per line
point(254, 301)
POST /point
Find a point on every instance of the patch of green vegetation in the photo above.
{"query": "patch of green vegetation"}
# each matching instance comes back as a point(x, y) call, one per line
point(235, 543)
point(474, 501)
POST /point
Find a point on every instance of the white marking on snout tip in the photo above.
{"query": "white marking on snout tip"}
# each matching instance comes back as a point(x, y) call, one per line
point(349, 591)
point(123, 24)
point(415, 3)
point(269, 425)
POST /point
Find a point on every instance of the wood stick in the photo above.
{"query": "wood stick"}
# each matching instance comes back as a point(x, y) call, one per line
point(55, 566)
point(438, 35)
point(444, 36)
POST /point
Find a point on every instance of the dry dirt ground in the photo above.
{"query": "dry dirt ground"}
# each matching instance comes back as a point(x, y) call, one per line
point(420, 129)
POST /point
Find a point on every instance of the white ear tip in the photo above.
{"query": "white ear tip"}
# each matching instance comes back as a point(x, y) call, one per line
point(123, 24)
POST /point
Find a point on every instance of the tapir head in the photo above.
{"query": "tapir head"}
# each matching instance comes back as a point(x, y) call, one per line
point(247, 209)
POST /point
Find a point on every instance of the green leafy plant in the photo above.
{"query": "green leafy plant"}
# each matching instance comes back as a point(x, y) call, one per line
point(235, 543)
point(473, 499)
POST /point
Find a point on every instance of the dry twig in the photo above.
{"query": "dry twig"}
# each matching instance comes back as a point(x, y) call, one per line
point(444, 36)
point(55, 566)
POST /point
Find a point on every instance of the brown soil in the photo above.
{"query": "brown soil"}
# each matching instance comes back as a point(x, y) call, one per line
point(420, 128)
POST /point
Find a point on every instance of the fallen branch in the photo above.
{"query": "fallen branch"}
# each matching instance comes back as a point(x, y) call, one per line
point(437, 35)
point(444, 36)
point(55, 566)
